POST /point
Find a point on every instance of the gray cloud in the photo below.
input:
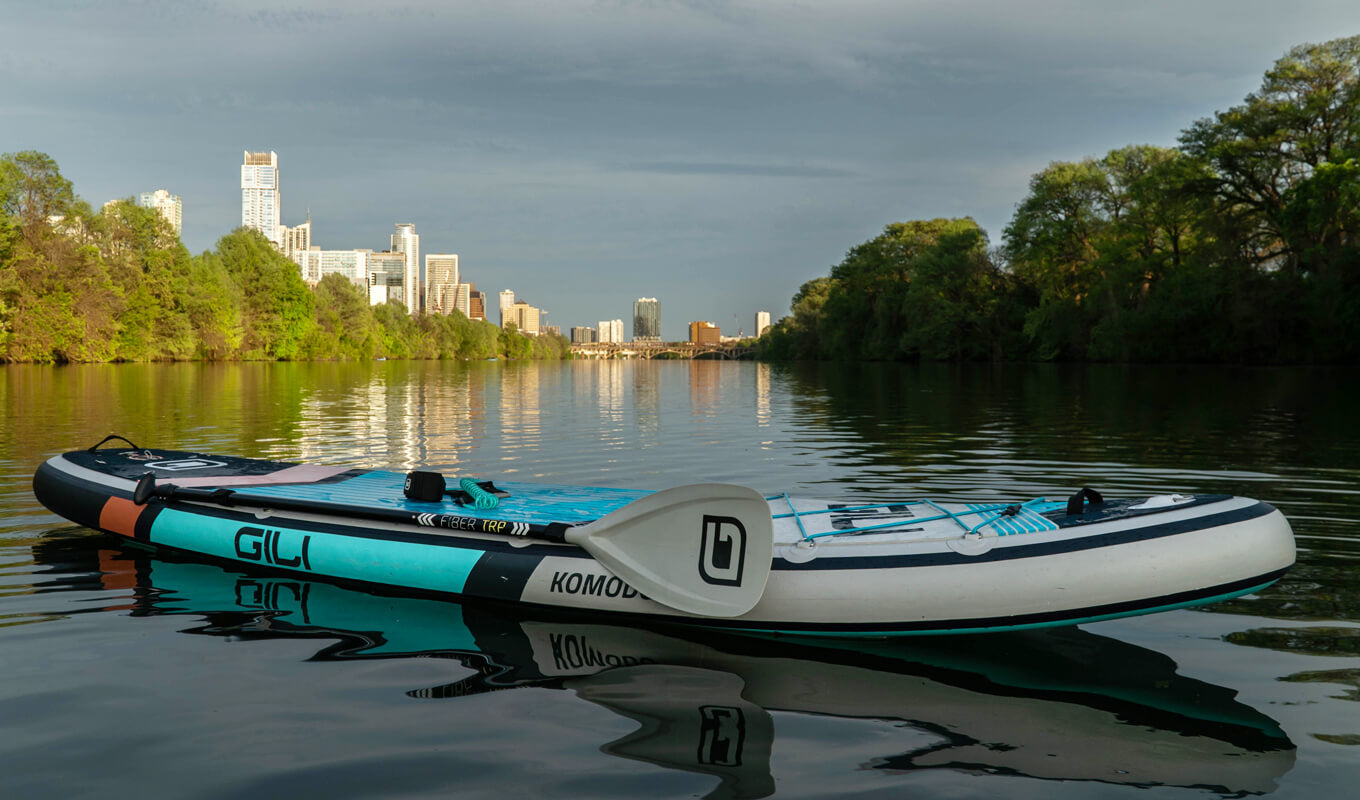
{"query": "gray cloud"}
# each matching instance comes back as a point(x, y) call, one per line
point(582, 152)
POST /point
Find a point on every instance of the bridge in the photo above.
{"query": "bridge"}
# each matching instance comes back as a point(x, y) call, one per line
point(725, 350)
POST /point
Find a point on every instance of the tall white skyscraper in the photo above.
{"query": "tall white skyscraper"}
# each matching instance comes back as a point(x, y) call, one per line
point(762, 322)
point(167, 204)
point(441, 283)
point(260, 202)
point(507, 300)
point(406, 241)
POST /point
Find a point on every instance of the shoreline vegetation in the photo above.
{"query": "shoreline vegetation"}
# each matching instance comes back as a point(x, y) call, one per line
point(1242, 245)
point(79, 285)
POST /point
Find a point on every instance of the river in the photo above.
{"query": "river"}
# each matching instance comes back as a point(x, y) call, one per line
point(135, 673)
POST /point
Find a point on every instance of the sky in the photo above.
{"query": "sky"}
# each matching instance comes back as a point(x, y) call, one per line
point(714, 155)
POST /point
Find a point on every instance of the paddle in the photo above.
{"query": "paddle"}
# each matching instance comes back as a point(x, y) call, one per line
point(704, 548)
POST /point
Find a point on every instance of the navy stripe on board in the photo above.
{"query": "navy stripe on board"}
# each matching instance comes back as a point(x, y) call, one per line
point(500, 575)
point(1135, 534)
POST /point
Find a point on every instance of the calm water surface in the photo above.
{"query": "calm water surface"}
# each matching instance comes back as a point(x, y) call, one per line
point(136, 674)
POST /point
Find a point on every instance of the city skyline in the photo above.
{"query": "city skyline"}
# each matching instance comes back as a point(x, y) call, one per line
point(431, 287)
point(713, 155)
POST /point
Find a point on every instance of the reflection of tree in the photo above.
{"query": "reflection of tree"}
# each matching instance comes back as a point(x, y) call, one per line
point(1343, 677)
point(1313, 641)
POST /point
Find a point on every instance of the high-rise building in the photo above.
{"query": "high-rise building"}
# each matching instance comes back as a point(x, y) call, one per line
point(260, 199)
point(167, 204)
point(507, 300)
point(610, 331)
point(441, 283)
point(646, 320)
point(525, 317)
point(296, 239)
point(316, 264)
point(462, 299)
point(704, 333)
point(388, 274)
point(476, 303)
point(762, 323)
point(583, 334)
point(405, 240)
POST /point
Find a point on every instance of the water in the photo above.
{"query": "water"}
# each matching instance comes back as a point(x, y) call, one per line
point(129, 673)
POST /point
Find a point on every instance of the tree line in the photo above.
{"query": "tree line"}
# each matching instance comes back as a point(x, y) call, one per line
point(1241, 245)
point(116, 284)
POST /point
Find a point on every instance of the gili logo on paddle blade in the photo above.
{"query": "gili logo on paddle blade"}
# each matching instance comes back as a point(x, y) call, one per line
point(722, 552)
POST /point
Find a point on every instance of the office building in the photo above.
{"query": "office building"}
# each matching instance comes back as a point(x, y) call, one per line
point(389, 278)
point(525, 317)
point(316, 264)
point(762, 323)
point(167, 204)
point(610, 331)
point(441, 284)
point(297, 239)
point(507, 300)
point(406, 241)
point(704, 333)
point(260, 199)
point(582, 334)
point(462, 299)
point(646, 320)
point(476, 303)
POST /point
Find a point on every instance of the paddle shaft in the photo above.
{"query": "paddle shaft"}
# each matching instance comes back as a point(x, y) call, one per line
point(551, 532)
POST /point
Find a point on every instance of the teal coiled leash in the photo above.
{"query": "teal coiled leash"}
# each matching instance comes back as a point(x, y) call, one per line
point(481, 498)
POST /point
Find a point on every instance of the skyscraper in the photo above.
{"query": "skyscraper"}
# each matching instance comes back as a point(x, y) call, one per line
point(167, 204)
point(260, 201)
point(507, 300)
point(389, 278)
point(441, 283)
point(702, 332)
point(762, 323)
point(296, 239)
point(406, 241)
point(610, 331)
point(646, 320)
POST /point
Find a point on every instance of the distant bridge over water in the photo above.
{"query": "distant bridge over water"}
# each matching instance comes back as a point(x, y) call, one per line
point(725, 350)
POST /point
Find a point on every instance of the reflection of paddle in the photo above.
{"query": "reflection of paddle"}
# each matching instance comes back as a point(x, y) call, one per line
point(703, 549)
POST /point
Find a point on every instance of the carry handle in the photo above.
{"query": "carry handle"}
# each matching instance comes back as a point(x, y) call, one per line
point(1076, 504)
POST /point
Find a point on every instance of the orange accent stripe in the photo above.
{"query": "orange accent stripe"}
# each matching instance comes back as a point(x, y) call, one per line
point(120, 515)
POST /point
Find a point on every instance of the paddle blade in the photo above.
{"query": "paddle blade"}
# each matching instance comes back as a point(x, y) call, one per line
point(704, 548)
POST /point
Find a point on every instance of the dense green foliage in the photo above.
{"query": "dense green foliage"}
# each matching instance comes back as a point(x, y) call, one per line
point(1241, 245)
point(117, 285)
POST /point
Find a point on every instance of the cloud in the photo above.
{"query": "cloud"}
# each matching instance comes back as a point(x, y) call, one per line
point(725, 168)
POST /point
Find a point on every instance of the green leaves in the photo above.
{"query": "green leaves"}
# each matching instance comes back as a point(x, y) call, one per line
point(926, 289)
point(117, 285)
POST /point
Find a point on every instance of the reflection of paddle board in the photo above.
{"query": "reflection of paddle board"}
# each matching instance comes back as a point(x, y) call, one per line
point(838, 568)
point(1056, 704)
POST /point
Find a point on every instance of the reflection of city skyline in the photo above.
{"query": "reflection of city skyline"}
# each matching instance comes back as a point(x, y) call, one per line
point(408, 417)
point(399, 422)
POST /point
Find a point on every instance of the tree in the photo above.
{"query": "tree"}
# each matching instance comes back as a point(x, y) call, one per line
point(1268, 158)
point(33, 191)
point(276, 305)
